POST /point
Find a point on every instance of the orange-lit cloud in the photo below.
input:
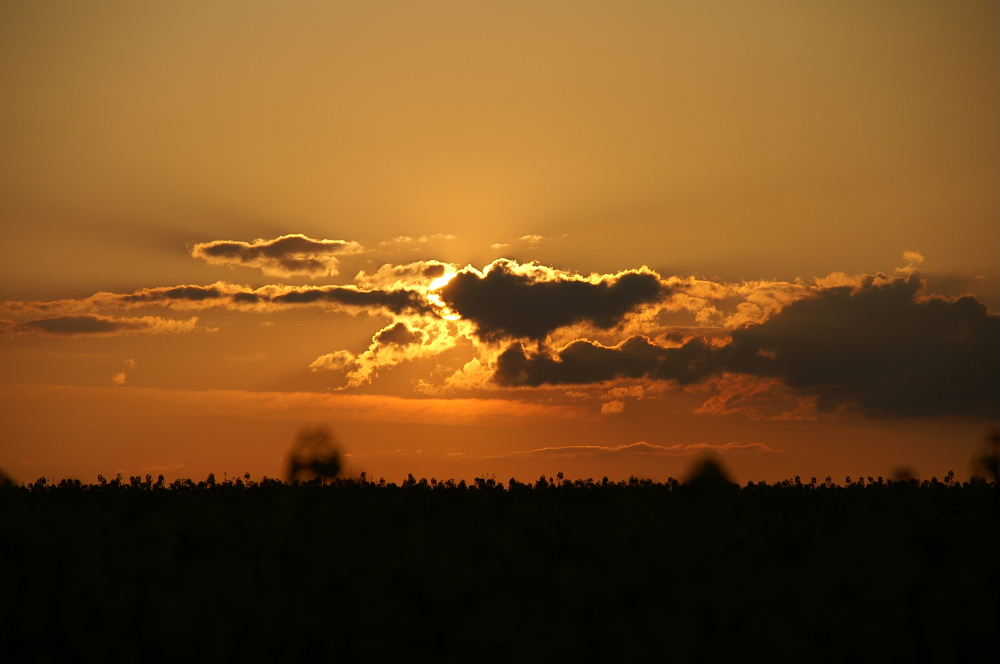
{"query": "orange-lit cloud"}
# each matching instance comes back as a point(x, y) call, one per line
point(638, 449)
point(757, 399)
point(612, 407)
point(527, 241)
point(409, 275)
point(400, 341)
point(121, 377)
point(913, 261)
point(417, 243)
point(284, 256)
point(339, 360)
point(300, 406)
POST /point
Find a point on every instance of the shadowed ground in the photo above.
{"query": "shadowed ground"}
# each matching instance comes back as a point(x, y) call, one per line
point(617, 571)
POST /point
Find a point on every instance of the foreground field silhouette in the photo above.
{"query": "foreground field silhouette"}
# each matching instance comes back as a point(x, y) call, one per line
point(560, 569)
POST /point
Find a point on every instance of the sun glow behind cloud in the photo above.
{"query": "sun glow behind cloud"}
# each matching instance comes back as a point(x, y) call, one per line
point(434, 296)
point(531, 325)
point(547, 342)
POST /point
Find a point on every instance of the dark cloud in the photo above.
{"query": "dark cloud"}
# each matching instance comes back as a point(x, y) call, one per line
point(191, 293)
point(434, 271)
point(246, 298)
point(288, 255)
point(94, 325)
point(588, 362)
point(985, 288)
point(398, 335)
point(226, 295)
point(881, 348)
point(85, 324)
point(511, 303)
point(396, 301)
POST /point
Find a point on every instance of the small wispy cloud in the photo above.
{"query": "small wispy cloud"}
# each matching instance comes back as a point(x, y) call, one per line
point(284, 256)
point(640, 448)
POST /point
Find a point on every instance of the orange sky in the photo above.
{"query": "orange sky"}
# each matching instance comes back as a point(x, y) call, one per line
point(768, 230)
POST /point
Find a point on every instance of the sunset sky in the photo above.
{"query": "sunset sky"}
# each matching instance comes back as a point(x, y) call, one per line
point(499, 238)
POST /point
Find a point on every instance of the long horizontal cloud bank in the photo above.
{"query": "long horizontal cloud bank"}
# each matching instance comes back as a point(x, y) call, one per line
point(91, 325)
point(639, 449)
point(234, 296)
point(876, 344)
point(506, 300)
point(880, 348)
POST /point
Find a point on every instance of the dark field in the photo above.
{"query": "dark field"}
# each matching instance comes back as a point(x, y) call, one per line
point(565, 571)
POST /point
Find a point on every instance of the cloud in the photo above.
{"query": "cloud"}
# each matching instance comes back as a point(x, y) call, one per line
point(398, 334)
point(121, 377)
point(409, 275)
point(576, 305)
point(396, 301)
point(526, 242)
point(185, 296)
point(341, 360)
point(612, 407)
point(284, 256)
point(757, 399)
point(640, 449)
point(475, 375)
point(413, 244)
point(395, 343)
point(183, 293)
point(422, 239)
point(509, 300)
point(92, 325)
point(222, 295)
point(878, 344)
point(881, 348)
point(585, 361)
point(913, 260)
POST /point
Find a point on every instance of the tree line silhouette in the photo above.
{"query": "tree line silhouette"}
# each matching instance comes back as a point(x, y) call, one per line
point(687, 570)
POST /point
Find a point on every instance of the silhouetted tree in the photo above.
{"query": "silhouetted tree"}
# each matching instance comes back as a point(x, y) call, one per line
point(987, 464)
point(708, 473)
point(903, 474)
point(314, 454)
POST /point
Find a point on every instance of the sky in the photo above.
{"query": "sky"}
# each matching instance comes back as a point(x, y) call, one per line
point(499, 238)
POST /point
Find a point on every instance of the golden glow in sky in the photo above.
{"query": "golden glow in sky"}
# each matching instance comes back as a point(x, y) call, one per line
point(505, 238)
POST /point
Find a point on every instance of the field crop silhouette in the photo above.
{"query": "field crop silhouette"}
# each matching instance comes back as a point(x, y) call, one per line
point(701, 570)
